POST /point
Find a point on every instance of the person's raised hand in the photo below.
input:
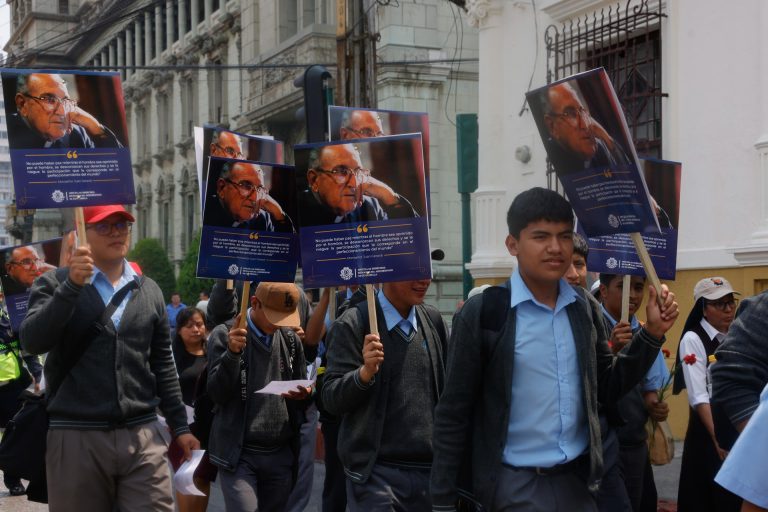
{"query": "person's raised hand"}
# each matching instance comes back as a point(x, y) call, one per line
point(378, 190)
point(660, 318)
point(81, 266)
point(300, 393)
point(272, 206)
point(620, 336)
point(236, 337)
point(82, 118)
point(373, 356)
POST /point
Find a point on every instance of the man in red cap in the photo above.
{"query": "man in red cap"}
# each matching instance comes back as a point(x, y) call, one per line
point(109, 367)
point(255, 436)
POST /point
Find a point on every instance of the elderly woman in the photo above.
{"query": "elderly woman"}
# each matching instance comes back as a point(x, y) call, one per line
point(705, 328)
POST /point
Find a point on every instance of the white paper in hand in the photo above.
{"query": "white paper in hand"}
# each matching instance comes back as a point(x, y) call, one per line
point(278, 387)
point(183, 480)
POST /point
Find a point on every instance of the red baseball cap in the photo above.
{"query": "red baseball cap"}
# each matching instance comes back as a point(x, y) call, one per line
point(94, 214)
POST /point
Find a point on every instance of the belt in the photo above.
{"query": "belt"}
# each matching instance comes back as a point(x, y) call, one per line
point(565, 467)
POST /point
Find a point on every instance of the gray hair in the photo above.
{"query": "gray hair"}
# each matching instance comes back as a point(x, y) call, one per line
point(226, 170)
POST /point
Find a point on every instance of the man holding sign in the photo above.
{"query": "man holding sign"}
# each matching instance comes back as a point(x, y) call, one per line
point(386, 387)
point(106, 450)
point(254, 436)
point(526, 372)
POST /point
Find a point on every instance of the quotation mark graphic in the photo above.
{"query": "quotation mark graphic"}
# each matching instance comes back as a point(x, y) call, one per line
point(71, 154)
point(362, 229)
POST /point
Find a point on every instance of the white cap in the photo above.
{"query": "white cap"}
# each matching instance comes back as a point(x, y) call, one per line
point(712, 288)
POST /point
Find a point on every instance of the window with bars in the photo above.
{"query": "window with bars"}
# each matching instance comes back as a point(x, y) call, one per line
point(626, 41)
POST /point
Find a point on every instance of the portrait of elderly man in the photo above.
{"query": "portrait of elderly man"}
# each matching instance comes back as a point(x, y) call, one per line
point(576, 140)
point(242, 201)
point(360, 124)
point(226, 144)
point(22, 266)
point(341, 190)
point(47, 117)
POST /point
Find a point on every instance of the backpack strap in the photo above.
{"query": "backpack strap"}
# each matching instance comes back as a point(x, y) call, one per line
point(496, 301)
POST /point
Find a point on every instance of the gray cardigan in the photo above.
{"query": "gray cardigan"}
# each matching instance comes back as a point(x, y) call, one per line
point(123, 376)
point(472, 417)
point(363, 406)
point(224, 388)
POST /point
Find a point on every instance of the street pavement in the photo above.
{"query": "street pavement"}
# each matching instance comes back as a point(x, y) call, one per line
point(666, 483)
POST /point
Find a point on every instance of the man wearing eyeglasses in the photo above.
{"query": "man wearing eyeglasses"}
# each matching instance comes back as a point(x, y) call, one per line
point(225, 144)
point(106, 450)
point(359, 124)
point(242, 201)
point(577, 141)
point(47, 117)
point(341, 190)
point(23, 266)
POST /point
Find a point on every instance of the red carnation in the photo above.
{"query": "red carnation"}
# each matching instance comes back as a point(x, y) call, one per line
point(690, 359)
point(665, 352)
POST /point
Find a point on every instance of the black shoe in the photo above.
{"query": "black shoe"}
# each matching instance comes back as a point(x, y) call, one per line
point(17, 490)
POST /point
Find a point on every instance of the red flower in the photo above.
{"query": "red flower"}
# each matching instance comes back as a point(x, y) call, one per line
point(690, 359)
point(666, 353)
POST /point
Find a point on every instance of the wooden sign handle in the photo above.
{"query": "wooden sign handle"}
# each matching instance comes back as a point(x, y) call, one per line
point(244, 303)
point(650, 271)
point(371, 296)
point(332, 304)
point(80, 226)
point(230, 284)
point(626, 282)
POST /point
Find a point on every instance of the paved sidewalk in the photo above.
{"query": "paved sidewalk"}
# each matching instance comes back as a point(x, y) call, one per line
point(666, 483)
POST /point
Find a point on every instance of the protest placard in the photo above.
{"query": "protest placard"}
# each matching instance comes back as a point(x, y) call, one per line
point(68, 138)
point(362, 211)
point(248, 230)
point(20, 266)
point(588, 142)
point(616, 254)
point(216, 141)
point(351, 123)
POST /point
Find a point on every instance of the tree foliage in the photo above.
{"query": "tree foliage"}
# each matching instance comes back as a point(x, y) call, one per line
point(154, 263)
point(189, 285)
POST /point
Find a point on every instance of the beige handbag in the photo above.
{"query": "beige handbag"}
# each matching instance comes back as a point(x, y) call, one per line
point(661, 445)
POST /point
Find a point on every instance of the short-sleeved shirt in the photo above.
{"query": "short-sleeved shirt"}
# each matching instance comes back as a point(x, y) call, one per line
point(743, 472)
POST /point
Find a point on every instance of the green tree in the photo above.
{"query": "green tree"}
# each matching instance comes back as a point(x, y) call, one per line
point(154, 263)
point(189, 285)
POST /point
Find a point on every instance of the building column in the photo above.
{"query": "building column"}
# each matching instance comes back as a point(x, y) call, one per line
point(158, 31)
point(148, 42)
point(121, 54)
point(103, 62)
point(112, 56)
point(208, 11)
point(182, 21)
point(139, 42)
point(491, 260)
point(129, 52)
point(194, 10)
point(169, 23)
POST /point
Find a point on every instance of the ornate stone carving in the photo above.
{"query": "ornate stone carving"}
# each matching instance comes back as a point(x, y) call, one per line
point(274, 76)
point(477, 11)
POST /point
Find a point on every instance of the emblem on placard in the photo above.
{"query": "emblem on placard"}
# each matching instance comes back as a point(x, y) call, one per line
point(57, 196)
point(233, 269)
point(346, 273)
point(613, 221)
point(611, 263)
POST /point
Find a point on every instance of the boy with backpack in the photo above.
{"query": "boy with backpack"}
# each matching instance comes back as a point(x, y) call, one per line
point(527, 369)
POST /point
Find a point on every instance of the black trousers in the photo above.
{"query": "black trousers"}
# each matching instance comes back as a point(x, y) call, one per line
point(335, 484)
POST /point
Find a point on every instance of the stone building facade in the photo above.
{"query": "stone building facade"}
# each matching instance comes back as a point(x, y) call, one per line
point(189, 62)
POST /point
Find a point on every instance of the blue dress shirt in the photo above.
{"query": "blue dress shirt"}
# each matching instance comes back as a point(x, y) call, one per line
point(547, 417)
point(658, 374)
point(265, 339)
point(107, 291)
point(393, 318)
point(743, 472)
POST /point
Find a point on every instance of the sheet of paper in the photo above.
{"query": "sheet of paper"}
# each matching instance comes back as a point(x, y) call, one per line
point(183, 480)
point(278, 387)
point(190, 414)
